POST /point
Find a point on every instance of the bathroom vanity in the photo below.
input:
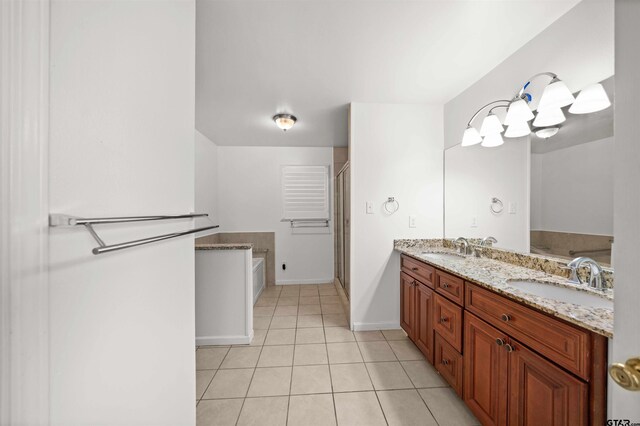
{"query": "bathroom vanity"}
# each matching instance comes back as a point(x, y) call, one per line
point(515, 357)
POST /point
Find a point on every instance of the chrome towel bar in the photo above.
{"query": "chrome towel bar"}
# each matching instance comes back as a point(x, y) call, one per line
point(56, 220)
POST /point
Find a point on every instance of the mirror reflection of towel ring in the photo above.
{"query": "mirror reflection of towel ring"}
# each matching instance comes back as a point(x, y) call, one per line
point(496, 205)
point(391, 205)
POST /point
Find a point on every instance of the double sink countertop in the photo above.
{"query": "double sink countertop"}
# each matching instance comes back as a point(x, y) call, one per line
point(497, 276)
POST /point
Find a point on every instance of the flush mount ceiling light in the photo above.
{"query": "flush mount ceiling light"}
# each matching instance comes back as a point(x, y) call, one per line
point(555, 96)
point(547, 132)
point(284, 121)
point(591, 99)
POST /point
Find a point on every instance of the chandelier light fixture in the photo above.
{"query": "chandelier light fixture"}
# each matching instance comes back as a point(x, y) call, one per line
point(284, 121)
point(546, 118)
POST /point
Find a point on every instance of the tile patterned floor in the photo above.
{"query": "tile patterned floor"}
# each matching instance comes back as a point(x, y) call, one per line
point(305, 367)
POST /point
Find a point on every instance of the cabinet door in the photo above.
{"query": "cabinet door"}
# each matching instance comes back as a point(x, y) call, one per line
point(423, 326)
point(541, 393)
point(486, 364)
point(407, 304)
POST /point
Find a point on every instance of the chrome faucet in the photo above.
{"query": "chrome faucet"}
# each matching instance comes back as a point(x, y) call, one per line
point(465, 247)
point(486, 242)
point(596, 273)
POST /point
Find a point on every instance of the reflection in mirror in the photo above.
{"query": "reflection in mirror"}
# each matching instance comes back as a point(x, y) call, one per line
point(572, 187)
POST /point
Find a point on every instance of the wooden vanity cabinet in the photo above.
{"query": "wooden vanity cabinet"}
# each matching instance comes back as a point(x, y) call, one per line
point(416, 313)
point(407, 304)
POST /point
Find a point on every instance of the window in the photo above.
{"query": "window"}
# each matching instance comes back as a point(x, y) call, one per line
point(305, 193)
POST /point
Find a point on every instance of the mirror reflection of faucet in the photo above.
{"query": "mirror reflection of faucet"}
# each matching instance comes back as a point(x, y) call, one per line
point(486, 242)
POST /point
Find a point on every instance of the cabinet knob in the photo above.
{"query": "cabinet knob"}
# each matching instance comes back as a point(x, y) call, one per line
point(414, 268)
point(443, 320)
point(505, 317)
point(445, 362)
point(509, 348)
point(445, 285)
point(627, 375)
point(500, 342)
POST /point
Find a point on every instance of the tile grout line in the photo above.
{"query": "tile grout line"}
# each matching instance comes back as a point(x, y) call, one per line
point(375, 391)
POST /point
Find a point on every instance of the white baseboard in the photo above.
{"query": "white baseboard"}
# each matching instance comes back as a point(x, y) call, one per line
point(368, 326)
point(309, 281)
point(223, 340)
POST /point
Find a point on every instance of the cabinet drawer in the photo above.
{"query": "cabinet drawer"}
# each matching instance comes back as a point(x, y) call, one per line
point(564, 344)
point(448, 362)
point(447, 321)
point(419, 270)
point(451, 286)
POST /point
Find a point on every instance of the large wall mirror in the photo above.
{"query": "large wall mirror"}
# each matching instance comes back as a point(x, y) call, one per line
point(550, 195)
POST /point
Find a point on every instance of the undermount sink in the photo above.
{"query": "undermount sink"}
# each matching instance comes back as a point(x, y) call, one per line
point(442, 256)
point(562, 294)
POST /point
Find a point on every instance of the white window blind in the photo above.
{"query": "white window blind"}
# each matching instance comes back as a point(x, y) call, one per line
point(305, 193)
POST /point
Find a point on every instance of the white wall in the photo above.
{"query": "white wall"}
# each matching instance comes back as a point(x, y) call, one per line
point(206, 177)
point(122, 132)
point(577, 178)
point(626, 343)
point(395, 151)
point(250, 200)
point(473, 176)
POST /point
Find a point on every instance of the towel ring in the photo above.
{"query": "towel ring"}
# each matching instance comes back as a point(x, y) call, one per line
point(496, 205)
point(391, 205)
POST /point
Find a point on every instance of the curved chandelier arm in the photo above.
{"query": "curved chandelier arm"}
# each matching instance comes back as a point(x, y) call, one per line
point(520, 94)
point(484, 106)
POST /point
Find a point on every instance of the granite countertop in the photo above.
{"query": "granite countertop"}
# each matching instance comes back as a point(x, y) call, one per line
point(235, 246)
point(495, 275)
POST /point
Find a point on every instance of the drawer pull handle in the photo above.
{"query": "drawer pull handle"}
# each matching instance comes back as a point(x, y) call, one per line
point(509, 348)
point(445, 285)
point(505, 317)
point(443, 320)
point(500, 342)
point(414, 268)
point(445, 362)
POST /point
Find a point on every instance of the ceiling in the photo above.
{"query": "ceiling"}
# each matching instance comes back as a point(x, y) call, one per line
point(312, 58)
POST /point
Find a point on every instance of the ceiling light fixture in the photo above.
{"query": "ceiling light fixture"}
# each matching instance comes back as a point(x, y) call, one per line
point(285, 121)
point(547, 132)
point(592, 98)
point(555, 96)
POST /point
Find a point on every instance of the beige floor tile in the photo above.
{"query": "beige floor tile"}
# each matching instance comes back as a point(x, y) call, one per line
point(309, 310)
point(388, 375)
point(329, 300)
point(447, 408)
point(266, 302)
point(283, 322)
point(332, 309)
point(311, 410)
point(308, 292)
point(376, 351)
point(310, 379)
point(369, 336)
point(258, 337)
point(343, 353)
point(398, 334)
point(286, 310)
point(334, 320)
point(271, 292)
point(350, 378)
point(203, 378)
point(358, 408)
point(246, 357)
point(280, 337)
point(276, 356)
point(219, 412)
point(328, 291)
point(210, 358)
point(310, 354)
point(309, 300)
point(308, 321)
point(405, 350)
point(423, 374)
point(288, 301)
point(270, 382)
point(261, 323)
point(229, 384)
point(338, 335)
point(405, 408)
point(270, 411)
point(309, 335)
point(263, 311)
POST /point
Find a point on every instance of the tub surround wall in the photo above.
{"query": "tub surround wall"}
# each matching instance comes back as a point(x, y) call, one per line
point(569, 245)
point(494, 275)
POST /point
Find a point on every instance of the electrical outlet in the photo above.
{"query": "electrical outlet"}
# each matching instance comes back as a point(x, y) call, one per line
point(513, 208)
point(369, 207)
point(474, 221)
point(412, 221)
point(284, 266)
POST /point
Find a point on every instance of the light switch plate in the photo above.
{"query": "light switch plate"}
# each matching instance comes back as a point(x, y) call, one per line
point(369, 207)
point(513, 208)
point(474, 221)
point(412, 221)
